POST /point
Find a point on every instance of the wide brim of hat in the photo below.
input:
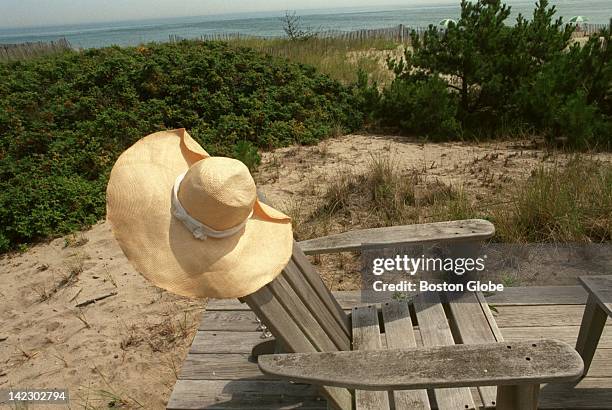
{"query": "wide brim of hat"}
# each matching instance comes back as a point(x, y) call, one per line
point(162, 249)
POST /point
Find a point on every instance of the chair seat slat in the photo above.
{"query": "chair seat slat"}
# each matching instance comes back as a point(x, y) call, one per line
point(400, 334)
point(366, 336)
point(435, 331)
point(473, 327)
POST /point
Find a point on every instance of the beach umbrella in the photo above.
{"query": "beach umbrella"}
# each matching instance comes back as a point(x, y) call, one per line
point(578, 20)
point(446, 22)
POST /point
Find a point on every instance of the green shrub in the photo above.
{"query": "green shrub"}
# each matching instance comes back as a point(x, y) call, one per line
point(507, 78)
point(246, 152)
point(367, 95)
point(422, 107)
point(580, 123)
point(65, 119)
point(570, 96)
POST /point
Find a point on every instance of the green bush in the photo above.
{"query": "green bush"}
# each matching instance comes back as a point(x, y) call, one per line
point(246, 152)
point(422, 107)
point(65, 119)
point(580, 123)
point(508, 78)
point(570, 98)
point(367, 95)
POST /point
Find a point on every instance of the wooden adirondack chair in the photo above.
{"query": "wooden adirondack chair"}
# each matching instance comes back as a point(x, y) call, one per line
point(357, 366)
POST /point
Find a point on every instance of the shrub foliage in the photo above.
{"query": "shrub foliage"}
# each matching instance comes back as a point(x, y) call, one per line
point(500, 77)
point(65, 119)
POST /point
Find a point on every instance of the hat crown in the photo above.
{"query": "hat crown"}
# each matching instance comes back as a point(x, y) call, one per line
point(219, 192)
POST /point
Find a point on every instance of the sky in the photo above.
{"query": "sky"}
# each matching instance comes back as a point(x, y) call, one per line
point(32, 13)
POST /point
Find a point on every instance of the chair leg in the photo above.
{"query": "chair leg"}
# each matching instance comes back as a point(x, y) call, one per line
point(593, 322)
point(265, 347)
point(522, 397)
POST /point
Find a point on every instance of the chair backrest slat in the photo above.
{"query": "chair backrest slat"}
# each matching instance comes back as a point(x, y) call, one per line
point(313, 278)
point(310, 298)
point(292, 338)
point(279, 322)
point(301, 315)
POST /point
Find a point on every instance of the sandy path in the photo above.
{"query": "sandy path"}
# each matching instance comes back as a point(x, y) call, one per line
point(124, 349)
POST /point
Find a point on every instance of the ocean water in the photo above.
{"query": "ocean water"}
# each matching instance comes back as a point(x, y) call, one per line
point(269, 24)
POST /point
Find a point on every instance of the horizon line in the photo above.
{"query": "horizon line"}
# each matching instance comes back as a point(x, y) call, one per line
point(388, 7)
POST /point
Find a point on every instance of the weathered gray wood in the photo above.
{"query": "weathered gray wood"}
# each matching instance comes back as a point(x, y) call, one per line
point(602, 364)
point(400, 334)
point(292, 338)
point(472, 325)
point(513, 296)
point(268, 346)
point(505, 316)
point(545, 320)
point(589, 393)
point(471, 229)
point(518, 397)
point(274, 315)
point(228, 320)
point(484, 305)
point(239, 394)
point(435, 331)
point(220, 367)
point(312, 302)
point(567, 334)
point(506, 363)
point(225, 342)
point(300, 314)
point(366, 339)
point(601, 288)
point(314, 279)
point(541, 315)
point(539, 295)
point(592, 327)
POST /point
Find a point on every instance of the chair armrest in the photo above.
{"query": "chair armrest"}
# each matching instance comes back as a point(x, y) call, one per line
point(466, 230)
point(511, 363)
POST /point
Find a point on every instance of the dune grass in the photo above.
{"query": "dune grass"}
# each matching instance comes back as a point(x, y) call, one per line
point(566, 202)
point(338, 58)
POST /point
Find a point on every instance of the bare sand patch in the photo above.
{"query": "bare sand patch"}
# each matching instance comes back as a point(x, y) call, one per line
point(123, 350)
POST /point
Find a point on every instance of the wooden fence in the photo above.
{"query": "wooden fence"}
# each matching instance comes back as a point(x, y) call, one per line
point(588, 28)
point(24, 51)
point(399, 34)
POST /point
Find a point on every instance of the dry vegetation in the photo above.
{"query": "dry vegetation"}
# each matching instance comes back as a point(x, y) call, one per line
point(564, 202)
point(338, 58)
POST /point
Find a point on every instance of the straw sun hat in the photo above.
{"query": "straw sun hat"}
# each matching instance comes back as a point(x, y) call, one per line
point(191, 223)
